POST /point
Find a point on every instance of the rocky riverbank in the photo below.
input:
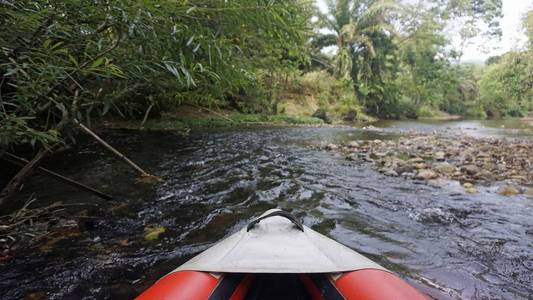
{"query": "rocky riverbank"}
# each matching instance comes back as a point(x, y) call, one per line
point(471, 161)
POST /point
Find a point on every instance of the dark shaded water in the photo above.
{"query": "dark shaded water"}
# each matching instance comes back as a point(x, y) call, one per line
point(470, 246)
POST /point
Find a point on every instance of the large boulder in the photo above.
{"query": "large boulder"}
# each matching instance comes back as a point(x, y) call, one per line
point(323, 115)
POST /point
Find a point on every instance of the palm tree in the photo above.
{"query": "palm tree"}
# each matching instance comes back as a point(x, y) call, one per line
point(358, 28)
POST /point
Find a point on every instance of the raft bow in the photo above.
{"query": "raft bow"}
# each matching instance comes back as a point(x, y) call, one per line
point(276, 257)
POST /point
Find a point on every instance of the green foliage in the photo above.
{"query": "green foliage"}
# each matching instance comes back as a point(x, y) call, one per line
point(328, 90)
point(62, 61)
point(66, 60)
point(366, 54)
point(230, 120)
point(396, 56)
point(507, 87)
point(493, 60)
point(426, 111)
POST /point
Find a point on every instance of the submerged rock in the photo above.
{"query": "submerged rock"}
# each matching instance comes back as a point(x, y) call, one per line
point(433, 215)
point(508, 190)
point(352, 157)
point(388, 172)
point(469, 188)
point(529, 192)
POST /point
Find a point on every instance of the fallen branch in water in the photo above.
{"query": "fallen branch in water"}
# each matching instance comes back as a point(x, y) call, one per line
point(15, 183)
point(21, 161)
point(145, 176)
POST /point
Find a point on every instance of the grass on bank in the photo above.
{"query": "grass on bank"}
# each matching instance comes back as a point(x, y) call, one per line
point(185, 123)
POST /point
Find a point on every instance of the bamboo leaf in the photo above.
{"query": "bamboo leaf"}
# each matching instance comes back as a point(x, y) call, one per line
point(98, 62)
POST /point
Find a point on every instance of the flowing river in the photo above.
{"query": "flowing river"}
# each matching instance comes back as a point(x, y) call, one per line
point(449, 244)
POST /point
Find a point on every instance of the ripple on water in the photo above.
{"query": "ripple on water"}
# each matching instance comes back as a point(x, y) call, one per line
point(445, 242)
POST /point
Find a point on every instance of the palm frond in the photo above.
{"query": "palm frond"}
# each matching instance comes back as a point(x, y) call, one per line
point(376, 13)
point(324, 40)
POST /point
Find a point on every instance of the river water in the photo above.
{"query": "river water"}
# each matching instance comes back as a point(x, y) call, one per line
point(449, 244)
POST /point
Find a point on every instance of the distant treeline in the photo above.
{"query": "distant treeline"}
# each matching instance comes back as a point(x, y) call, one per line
point(400, 63)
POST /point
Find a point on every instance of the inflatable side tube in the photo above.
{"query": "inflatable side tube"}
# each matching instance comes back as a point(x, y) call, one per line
point(194, 285)
point(375, 284)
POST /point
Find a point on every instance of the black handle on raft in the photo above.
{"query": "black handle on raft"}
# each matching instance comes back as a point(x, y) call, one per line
point(279, 213)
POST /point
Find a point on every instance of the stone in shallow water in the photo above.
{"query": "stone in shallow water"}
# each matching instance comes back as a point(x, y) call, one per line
point(484, 175)
point(390, 172)
point(420, 165)
point(352, 157)
point(433, 215)
point(331, 147)
point(470, 169)
point(401, 169)
point(529, 192)
point(438, 182)
point(469, 188)
point(353, 144)
point(426, 174)
point(439, 155)
point(445, 168)
point(508, 190)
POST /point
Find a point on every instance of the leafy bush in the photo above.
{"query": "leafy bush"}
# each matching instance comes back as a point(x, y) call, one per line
point(66, 60)
point(506, 88)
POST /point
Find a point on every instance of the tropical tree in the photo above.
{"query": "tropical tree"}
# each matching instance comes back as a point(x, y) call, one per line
point(376, 39)
point(363, 34)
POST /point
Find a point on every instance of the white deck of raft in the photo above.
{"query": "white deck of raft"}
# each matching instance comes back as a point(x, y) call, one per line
point(275, 245)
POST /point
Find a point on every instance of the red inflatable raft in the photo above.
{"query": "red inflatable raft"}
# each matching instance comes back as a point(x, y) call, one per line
point(276, 257)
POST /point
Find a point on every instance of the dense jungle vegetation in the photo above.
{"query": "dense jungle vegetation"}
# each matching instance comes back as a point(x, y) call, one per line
point(65, 63)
